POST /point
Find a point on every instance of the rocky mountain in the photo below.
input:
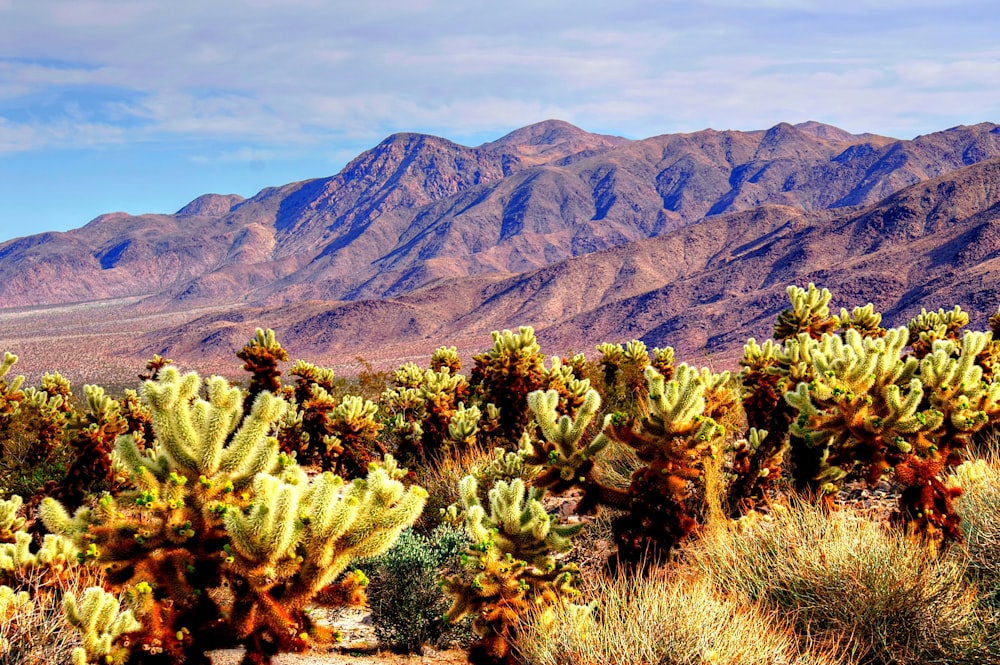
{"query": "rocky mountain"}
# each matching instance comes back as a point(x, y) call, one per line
point(685, 239)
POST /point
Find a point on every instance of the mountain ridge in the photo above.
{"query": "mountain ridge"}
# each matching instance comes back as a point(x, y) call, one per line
point(548, 225)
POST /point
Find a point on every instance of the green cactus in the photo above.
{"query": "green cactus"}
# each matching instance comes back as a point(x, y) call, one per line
point(446, 357)
point(102, 625)
point(260, 357)
point(810, 313)
point(215, 505)
point(427, 401)
point(504, 376)
point(510, 567)
point(928, 327)
point(565, 455)
point(624, 383)
point(869, 409)
point(11, 396)
point(673, 440)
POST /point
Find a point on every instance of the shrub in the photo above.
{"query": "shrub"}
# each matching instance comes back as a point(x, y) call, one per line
point(838, 573)
point(661, 619)
point(406, 601)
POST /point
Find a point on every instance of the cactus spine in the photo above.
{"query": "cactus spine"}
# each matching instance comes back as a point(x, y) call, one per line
point(216, 505)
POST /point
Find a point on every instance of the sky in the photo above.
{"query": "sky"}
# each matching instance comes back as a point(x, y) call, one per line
point(143, 105)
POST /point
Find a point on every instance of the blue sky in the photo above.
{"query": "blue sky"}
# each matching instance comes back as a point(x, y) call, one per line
point(142, 105)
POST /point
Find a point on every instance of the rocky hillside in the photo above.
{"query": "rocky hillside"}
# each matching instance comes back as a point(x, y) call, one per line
point(685, 239)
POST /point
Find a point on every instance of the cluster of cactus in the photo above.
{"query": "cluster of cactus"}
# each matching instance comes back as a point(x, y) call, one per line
point(25, 574)
point(623, 368)
point(65, 447)
point(846, 399)
point(425, 404)
point(504, 376)
point(222, 539)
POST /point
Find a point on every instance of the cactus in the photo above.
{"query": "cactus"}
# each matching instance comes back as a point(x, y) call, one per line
point(928, 327)
point(510, 567)
point(809, 314)
point(673, 440)
point(624, 384)
point(504, 376)
point(92, 435)
point(260, 357)
point(565, 455)
point(446, 357)
point(102, 626)
point(215, 505)
point(11, 395)
point(427, 401)
point(869, 410)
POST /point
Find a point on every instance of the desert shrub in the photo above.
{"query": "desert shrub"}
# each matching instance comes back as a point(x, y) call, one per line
point(839, 573)
point(405, 596)
point(660, 618)
point(979, 507)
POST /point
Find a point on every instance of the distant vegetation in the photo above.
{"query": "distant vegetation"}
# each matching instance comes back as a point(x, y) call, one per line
point(835, 501)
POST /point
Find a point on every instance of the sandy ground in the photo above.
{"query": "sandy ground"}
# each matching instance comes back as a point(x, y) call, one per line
point(358, 647)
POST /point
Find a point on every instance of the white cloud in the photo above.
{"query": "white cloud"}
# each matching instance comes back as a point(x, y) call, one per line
point(270, 73)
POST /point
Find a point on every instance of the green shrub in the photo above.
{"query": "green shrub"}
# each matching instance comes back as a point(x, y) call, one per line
point(406, 601)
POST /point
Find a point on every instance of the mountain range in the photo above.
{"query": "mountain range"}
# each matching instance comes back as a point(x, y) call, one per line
point(681, 239)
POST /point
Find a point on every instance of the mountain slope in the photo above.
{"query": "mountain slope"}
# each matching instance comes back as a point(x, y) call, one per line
point(417, 208)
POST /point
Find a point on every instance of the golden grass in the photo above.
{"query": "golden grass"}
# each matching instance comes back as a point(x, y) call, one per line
point(37, 633)
point(837, 574)
point(664, 619)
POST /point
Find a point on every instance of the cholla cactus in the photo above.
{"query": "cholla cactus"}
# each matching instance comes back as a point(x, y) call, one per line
point(504, 376)
point(869, 410)
point(425, 400)
point(572, 388)
point(673, 440)
point(464, 425)
point(510, 567)
point(102, 625)
point(92, 434)
point(446, 357)
point(565, 455)
point(863, 319)
point(663, 361)
point(624, 385)
point(214, 504)
point(10, 394)
point(810, 313)
point(260, 357)
point(928, 327)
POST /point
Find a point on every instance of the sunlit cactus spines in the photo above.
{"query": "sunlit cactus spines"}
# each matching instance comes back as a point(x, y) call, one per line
point(863, 319)
point(261, 356)
point(504, 376)
point(510, 568)
point(446, 357)
point(215, 504)
point(871, 409)
point(928, 327)
point(10, 389)
point(565, 453)
point(809, 313)
point(464, 425)
point(103, 626)
point(571, 387)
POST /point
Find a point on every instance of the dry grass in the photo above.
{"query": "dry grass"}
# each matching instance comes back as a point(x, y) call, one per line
point(37, 633)
point(979, 507)
point(839, 574)
point(664, 619)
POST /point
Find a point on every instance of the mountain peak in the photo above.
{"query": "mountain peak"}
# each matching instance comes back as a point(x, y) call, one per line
point(212, 205)
point(545, 133)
